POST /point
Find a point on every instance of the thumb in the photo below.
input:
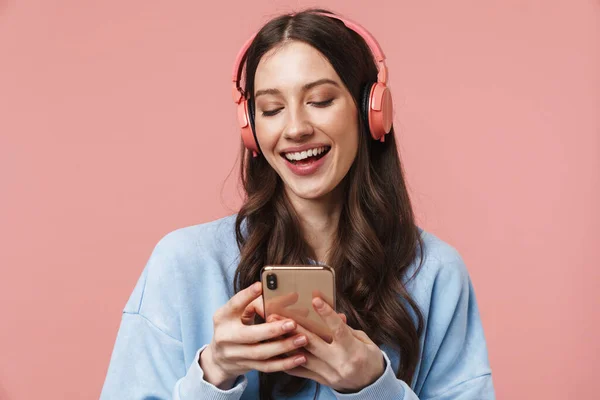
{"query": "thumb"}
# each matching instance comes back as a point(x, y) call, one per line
point(238, 303)
point(256, 307)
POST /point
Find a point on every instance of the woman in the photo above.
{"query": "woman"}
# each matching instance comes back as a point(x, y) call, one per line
point(319, 189)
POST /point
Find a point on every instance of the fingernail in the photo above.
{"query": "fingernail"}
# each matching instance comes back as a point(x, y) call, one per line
point(301, 341)
point(288, 326)
point(319, 303)
point(256, 287)
point(299, 360)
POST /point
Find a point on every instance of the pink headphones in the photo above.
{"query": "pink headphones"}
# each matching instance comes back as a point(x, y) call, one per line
point(376, 106)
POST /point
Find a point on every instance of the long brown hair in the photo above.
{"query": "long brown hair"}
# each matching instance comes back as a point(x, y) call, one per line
point(377, 238)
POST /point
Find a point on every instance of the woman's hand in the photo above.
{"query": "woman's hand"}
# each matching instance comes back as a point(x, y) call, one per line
point(236, 346)
point(348, 364)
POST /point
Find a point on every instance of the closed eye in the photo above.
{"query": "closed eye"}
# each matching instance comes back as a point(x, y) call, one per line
point(322, 103)
point(319, 104)
point(270, 113)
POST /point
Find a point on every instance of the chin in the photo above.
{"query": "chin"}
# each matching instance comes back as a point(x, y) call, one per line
point(309, 187)
point(310, 191)
point(311, 194)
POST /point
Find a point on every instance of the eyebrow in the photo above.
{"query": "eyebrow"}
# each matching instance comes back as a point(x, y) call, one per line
point(304, 88)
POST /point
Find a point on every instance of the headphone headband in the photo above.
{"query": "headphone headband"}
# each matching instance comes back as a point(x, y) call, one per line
point(238, 93)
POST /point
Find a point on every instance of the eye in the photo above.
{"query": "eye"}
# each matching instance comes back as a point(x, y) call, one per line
point(322, 104)
point(270, 113)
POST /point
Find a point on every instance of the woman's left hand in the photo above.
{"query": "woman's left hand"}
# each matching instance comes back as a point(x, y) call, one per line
point(349, 363)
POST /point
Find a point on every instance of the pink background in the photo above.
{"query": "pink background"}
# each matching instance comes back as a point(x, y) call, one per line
point(117, 126)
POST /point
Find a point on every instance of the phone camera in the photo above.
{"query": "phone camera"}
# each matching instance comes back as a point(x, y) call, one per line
point(272, 281)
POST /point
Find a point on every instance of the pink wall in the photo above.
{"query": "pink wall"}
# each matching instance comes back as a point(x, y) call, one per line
point(117, 126)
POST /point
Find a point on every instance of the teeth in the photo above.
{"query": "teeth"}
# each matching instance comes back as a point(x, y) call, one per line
point(304, 154)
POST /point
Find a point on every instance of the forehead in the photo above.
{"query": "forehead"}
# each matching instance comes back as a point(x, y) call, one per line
point(292, 65)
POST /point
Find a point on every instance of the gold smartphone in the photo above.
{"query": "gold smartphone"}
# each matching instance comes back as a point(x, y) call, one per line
point(288, 291)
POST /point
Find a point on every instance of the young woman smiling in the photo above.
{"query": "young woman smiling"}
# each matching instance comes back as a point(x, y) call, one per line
point(319, 189)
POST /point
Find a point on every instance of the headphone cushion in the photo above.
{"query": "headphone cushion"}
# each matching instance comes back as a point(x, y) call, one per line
point(251, 114)
point(246, 120)
point(365, 96)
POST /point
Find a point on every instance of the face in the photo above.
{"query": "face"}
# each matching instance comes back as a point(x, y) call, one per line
point(306, 120)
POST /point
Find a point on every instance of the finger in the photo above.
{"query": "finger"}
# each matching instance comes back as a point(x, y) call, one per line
point(321, 295)
point(362, 336)
point(343, 317)
point(316, 368)
point(257, 333)
point(275, 364)
point(315, 345)
point(274, 317)
point(339, 330)
point(243, 298)
point(248, 315)
point(255, 307)
point(264, 351)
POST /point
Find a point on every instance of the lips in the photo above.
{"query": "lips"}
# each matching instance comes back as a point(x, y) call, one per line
point(308, 165)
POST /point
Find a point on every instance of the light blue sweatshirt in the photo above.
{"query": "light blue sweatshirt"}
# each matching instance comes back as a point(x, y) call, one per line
point(167, 322)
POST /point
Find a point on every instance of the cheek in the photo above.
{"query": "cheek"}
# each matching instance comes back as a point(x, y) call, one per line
point(344, 130)
point(349, 149)
point(267, 135)
point(344, 113)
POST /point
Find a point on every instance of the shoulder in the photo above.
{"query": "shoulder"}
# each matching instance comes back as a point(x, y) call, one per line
point(196, 249)
point(442, 270)
point(195, 240)
point(437, 256)
point(183, 261)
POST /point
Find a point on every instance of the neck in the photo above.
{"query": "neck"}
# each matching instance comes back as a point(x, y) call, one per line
point(319, 221)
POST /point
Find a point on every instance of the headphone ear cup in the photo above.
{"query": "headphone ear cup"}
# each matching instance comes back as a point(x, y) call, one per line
point(380, 111)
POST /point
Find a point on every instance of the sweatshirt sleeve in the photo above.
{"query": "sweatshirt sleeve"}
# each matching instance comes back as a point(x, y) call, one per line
point(454, 363)
point(148, 360)
point(148, 364)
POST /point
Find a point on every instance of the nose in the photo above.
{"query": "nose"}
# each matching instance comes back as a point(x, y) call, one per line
point(298, 126)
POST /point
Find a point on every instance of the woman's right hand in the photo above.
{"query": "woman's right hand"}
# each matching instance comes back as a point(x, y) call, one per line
point(238, 346)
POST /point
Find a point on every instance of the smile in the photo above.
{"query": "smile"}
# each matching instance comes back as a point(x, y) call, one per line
point(306, 155)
